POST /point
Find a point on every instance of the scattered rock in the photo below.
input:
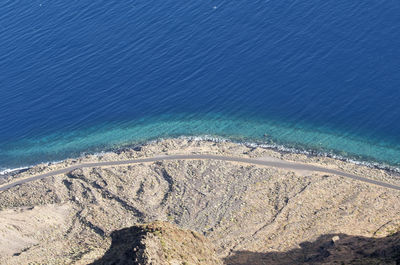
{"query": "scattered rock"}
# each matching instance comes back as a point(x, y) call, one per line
point(250, 214)
point(335, 239)
point(158, 243)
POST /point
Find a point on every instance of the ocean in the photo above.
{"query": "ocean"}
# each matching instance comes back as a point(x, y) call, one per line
point(316, 76)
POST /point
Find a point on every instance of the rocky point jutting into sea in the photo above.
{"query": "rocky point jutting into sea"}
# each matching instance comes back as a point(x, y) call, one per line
point(200, 211)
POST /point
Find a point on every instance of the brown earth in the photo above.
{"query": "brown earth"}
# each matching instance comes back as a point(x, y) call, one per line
point(158, 243)
point(252, 215)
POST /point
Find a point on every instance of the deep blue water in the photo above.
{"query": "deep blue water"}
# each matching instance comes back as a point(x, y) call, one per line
point(83, 76)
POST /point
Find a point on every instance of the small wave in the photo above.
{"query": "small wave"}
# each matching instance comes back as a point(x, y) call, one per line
point(4, 172)
point(286, 149)
point(9, 171)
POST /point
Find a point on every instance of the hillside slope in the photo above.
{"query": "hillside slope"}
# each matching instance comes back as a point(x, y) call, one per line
point(250, 214)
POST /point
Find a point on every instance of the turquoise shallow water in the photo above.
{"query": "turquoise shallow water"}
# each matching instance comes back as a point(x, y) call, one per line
point(87, 76)
point(322, 141)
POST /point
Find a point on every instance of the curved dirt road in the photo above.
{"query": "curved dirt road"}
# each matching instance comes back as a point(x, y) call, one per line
point(278, 164)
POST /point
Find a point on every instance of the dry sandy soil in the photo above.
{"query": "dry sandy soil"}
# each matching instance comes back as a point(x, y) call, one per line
point(250, 214)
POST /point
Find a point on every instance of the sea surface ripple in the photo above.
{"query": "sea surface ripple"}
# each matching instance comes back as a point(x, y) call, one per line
point(84, 76)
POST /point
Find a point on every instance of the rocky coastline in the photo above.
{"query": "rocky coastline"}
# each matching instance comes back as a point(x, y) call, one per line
point(249, 214)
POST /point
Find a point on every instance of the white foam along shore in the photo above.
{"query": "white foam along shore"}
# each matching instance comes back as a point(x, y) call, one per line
point(9, 171)
point(285, 149)
point(276, 147)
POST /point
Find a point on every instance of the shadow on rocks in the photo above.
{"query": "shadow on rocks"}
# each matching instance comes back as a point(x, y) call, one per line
point(128, 247)
point(329, 249)
point(125, 247)
point(159, 243)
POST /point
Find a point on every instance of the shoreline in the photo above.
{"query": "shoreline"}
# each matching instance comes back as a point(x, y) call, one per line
point(11, 172)
point(237, 196)
point(272, 163)
point(204, 146)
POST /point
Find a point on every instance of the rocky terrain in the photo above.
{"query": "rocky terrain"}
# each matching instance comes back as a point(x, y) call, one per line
point(250, 214)
point(158, 243)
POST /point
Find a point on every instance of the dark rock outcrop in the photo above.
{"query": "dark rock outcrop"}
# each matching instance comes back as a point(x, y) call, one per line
point(158, 243)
